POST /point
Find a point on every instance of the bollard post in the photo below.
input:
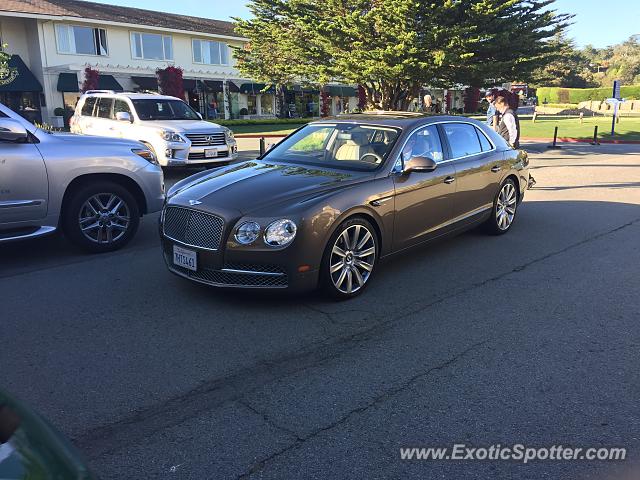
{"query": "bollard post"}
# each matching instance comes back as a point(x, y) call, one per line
point(595, 136)
point(535, 114)
point(581, 118)
point(262, 146)
point(555, 139)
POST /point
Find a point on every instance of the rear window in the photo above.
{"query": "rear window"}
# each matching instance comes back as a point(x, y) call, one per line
point(87, 107)
point(463, 139)
point(484, 141)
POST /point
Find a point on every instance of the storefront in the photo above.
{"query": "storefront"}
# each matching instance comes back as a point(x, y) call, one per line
point(257, 100)
point(69, 87)
point(302, 102)
point(343, 98)
point(21, 91)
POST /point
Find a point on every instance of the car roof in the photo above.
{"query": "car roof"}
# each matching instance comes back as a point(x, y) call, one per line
point(394, 119)
point(130, 95)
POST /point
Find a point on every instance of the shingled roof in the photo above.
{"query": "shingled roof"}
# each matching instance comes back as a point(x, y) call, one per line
point(112, 13)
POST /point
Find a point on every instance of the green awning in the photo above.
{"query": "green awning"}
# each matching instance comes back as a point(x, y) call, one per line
point(107, 82)
point(341, 91)
point(18, 78)
point(255, 88)
point(68, 82)
point(146, 83)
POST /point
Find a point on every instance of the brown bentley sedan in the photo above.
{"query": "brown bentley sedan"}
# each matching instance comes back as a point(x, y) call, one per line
point(328, 202)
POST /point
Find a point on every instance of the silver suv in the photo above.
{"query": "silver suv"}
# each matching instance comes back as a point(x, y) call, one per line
point(94, 189)
point(171, 129)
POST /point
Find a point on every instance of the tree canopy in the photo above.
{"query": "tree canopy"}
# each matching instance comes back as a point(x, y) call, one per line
point(395, 47)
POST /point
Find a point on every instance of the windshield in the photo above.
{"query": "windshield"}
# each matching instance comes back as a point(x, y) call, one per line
point(339, 145)
point(158, 109)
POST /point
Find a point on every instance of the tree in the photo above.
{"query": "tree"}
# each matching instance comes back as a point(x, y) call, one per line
point(170, 81)
point(569, 68)
point(91, 79)
point(395, 47)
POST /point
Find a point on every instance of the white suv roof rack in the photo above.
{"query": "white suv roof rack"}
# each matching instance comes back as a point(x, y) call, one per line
point(99, 91)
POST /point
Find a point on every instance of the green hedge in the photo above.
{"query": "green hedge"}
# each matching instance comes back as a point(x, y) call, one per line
point(577, 95)
point(263, 121)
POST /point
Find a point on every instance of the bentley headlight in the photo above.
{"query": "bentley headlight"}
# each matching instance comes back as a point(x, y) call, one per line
point(247, 233)
point(280, 233)
point(169, 136)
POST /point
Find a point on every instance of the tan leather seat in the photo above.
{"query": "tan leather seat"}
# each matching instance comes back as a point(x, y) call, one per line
point(354, 148)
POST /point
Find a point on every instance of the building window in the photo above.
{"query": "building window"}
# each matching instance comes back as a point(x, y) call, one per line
point(210, 53)
point(79, 40)
point(150, 46)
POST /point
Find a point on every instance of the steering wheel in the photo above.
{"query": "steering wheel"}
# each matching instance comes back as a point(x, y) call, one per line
point(377, 158)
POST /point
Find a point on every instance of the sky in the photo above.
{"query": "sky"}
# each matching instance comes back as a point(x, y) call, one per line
point(597, 22)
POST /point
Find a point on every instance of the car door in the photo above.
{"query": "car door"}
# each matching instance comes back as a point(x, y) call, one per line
point(103, 125)
point(472, 157)
point(24, 188)
point(120, 128)
point(423, 200)
point(85, 121)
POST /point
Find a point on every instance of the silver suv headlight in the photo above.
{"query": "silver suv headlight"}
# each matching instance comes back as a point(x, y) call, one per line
point(169, 136)
point(229, 135)
point(280, 233)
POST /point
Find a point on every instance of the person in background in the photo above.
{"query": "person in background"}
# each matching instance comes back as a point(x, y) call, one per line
point(213, 109)
point(492, 114)
point(509, 127)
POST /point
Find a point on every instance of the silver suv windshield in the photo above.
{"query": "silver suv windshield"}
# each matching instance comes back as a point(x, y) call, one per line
point(162, 109)
point(341, 145)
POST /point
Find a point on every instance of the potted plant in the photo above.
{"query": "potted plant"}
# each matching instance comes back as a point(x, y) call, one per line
point(58, 119)
point(244, 113)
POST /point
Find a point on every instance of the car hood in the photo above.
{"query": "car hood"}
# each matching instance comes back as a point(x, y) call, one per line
point(257, 184)
point(94, 141)
point(184, 125)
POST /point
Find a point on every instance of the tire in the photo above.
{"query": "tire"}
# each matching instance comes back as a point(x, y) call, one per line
point(353, 267)
point(505, 209)
point(92, 222)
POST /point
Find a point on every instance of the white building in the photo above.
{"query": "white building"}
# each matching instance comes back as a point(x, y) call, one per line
point(53, 41)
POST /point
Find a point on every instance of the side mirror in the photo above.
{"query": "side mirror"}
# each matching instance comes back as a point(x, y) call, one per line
point(123, 117)
point(420, 164)
point(12, 130)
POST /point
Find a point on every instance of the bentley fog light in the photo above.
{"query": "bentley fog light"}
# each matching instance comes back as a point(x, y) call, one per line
point(280, 233)
point(247, 233)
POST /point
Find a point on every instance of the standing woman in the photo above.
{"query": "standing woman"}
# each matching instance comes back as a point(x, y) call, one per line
point(509, 126)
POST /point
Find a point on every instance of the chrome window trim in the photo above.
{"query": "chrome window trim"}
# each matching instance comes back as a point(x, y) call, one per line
point(441, 122)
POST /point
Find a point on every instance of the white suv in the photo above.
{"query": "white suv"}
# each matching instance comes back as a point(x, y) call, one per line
point(171, 129)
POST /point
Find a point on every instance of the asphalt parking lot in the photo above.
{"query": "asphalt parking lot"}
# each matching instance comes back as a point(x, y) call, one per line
point(529, 338)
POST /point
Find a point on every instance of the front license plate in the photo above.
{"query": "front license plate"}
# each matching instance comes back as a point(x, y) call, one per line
point(210, 153)
point(185, 258)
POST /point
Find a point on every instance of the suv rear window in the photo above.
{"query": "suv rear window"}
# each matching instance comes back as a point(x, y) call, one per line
point(87, 107)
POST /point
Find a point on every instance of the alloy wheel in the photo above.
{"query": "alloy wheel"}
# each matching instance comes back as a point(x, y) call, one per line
point(506, 206)
point(352, 259)
point(104, 218)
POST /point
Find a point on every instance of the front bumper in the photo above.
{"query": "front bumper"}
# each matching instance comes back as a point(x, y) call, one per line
point(179, 154)
point(228, 270)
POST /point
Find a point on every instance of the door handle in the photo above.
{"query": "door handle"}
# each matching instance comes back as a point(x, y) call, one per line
point(449, 180)
point(496, 169)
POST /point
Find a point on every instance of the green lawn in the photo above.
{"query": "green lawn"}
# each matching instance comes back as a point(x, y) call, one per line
point(627, 129)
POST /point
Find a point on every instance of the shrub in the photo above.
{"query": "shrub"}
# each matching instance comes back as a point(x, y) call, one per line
point(261, 121)
point(59, 112)
point(577, 95)
point(243, 111)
